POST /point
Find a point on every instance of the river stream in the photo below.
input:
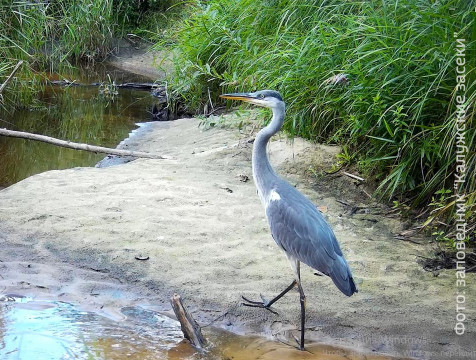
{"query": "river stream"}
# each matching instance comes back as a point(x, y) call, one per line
point(75, 113)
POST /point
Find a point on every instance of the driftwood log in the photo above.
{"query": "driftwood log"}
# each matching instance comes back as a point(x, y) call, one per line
point(191, 330)
point(129, 85)
point(78, 146)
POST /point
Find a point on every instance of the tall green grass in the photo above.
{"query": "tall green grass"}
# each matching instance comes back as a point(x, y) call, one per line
point(86, 28)
point(396, 114)
point(55, 31)
point(139, 13)
point(48, 35)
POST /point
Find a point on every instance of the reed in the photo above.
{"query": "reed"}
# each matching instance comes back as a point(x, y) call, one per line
point(396, 115)
point(49, 35)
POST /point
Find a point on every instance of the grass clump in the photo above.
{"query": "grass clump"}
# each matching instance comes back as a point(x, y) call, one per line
point(48, 35)
point(397, 113)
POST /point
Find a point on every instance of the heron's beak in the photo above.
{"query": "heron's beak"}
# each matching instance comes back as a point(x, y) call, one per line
point(238, 96)
point(246, 97)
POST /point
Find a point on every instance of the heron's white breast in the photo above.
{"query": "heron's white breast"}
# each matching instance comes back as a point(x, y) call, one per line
point(273, 196)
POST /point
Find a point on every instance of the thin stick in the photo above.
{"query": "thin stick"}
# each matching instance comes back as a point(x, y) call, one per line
point(366, 193)
point(77, 146)
point(191, 330)
point(210, 99)
point(354, 176)
point(9, 78)
point(343, 203)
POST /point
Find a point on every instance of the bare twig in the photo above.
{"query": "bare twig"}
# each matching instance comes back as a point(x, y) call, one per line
point(471, 269)
point(77, 146)
point(366, 193)
point(129, 85)
point(216, 110)
point(189, 326)
point(354, 176)
point(166, 92)
point(403, 238)
point(210, 99)
point(343, 203)
point(9, 78)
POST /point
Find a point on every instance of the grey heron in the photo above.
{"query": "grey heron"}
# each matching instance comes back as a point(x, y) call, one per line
point(296, 225)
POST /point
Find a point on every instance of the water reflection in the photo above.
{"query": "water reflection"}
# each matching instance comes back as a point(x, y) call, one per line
point(74, 113)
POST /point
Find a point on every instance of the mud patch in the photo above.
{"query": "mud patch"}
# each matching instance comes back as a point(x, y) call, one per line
point(447, 260)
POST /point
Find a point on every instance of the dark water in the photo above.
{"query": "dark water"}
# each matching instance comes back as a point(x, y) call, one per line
point(54, 330)
point(74, 113)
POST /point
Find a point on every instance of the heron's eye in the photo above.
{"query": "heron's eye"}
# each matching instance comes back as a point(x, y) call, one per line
point(261, 96)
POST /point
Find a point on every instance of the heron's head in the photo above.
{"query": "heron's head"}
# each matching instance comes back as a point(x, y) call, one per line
point(266, 98)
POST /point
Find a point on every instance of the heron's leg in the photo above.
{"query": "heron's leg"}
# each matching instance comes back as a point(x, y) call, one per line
point(296, 266)
point(302, 299)
point(266, 304)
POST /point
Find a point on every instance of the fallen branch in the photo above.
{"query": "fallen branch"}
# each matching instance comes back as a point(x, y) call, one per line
point(130, 85)
point(77, 146)
point(191, 330)
point(354, 176)
point(9, 78)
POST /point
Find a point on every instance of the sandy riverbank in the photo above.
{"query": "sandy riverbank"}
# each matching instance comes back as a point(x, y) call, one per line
point(77, 233)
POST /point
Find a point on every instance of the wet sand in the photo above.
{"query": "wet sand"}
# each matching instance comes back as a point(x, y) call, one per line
point(76, 234)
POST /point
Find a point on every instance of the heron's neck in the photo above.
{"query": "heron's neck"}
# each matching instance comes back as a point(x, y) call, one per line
point(263, 173)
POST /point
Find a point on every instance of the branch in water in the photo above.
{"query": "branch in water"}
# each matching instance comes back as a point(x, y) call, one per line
point(191, 330)
point(78, 146)
point(9, 78)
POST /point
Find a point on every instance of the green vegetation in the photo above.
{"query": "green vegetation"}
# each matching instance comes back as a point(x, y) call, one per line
point(395, 117)
point(48, 35)
point(153, 20)
point(397, 114)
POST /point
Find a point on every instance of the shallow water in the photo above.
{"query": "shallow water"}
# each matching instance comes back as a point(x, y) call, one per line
point(57, 330)
point(54, 330)
point(75, 113)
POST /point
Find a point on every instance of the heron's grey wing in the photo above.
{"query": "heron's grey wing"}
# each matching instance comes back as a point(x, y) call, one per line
point(300, 230)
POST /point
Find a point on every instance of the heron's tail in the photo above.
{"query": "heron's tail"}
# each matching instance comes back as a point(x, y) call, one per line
point(343, 279)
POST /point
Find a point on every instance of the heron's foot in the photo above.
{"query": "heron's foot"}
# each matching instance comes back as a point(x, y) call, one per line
point(299, 343)
point(263, 301)
point(264, 304)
